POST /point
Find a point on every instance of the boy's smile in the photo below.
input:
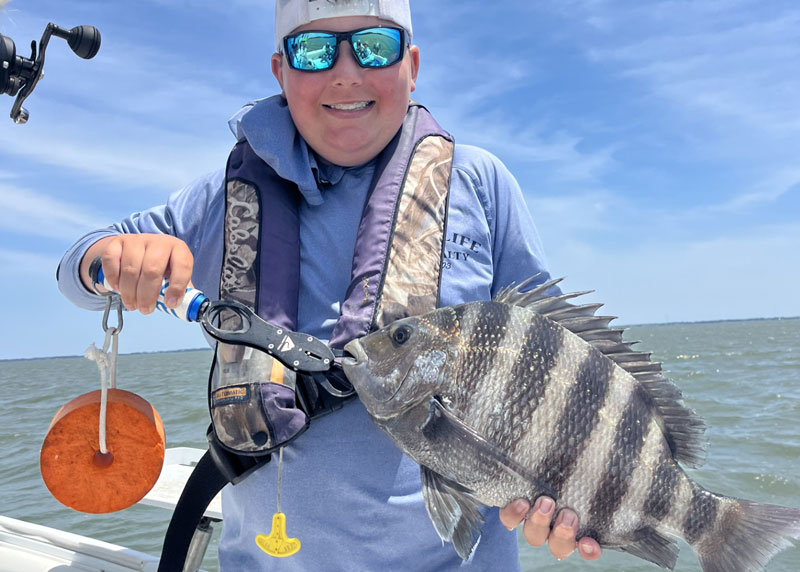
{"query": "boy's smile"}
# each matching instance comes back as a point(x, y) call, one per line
point(357, 106)
point(348, 114)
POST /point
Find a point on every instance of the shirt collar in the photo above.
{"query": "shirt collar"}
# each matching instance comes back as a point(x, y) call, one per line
point(267, 126)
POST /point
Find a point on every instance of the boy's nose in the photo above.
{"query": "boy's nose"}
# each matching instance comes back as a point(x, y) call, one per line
point(346, 70)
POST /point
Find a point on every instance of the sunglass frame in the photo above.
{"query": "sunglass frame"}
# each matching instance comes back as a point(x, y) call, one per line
point(340, 37)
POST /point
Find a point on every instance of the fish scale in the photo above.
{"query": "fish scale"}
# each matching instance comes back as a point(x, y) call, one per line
point(580, 418)
point(529, 395)
point(631, 512)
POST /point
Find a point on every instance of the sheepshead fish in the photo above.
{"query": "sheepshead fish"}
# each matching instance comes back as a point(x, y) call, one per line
point(530, 395)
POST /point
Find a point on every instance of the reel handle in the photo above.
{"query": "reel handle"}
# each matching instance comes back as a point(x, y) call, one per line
point(84, 40)
point(19, 75)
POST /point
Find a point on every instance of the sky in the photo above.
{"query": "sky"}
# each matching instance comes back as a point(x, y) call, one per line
point(657, 143)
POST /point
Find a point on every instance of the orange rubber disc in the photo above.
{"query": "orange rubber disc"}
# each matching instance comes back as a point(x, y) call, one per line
point(81, 477)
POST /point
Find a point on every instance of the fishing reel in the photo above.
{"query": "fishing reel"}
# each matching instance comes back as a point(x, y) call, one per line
point(19, 75)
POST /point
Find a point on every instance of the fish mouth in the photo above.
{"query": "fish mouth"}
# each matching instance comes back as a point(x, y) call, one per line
point(357, 354)
point(357, 371)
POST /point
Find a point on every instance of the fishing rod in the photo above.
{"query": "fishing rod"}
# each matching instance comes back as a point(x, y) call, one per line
point(19, 75)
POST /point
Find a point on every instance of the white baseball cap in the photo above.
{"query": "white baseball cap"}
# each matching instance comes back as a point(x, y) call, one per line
point(291, 14)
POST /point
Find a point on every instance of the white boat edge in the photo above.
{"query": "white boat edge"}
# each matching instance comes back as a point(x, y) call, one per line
point(29, 547)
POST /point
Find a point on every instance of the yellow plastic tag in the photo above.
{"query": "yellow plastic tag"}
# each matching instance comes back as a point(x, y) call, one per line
point(277, 544)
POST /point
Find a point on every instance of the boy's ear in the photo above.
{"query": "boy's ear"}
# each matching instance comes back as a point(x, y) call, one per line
point(413, 51)
point(276, 63)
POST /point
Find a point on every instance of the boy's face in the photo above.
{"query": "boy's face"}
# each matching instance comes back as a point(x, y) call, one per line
point(348, 137)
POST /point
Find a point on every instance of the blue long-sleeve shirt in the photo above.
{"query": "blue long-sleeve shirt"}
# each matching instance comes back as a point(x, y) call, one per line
point(349, 494)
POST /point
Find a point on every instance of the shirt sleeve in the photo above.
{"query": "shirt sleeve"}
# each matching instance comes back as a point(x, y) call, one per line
point(183, 216)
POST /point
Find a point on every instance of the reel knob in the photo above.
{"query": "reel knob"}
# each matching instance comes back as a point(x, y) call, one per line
point(84, 41)
point(22, 117)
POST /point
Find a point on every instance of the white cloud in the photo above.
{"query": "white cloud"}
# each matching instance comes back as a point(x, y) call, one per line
point(134, 116)
point(114, 148)
point(590, 211)
point(772, 188)
point(27, 264)
point(726, 61)
point(31, 213)
point(731, 276)
point(470, 82)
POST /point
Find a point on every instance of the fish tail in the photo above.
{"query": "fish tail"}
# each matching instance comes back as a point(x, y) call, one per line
point(745, 535)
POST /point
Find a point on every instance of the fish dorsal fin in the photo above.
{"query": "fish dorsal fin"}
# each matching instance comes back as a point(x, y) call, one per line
point(683, 429)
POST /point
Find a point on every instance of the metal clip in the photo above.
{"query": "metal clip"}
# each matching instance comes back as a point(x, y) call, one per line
point(112, 299)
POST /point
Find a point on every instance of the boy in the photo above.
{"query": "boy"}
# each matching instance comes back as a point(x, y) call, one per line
point(331, 137)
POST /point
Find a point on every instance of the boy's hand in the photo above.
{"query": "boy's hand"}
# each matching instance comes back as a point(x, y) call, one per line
point(536, 530)
point(135, 264)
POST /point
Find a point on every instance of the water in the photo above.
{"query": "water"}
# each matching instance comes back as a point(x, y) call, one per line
point(742, 377)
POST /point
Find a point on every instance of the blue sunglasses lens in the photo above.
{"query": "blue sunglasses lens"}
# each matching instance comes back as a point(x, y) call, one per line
point(372, 48)
point(311, 51)
point(378, 47)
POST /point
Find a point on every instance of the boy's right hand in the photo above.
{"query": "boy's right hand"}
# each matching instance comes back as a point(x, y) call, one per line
point(135, 265)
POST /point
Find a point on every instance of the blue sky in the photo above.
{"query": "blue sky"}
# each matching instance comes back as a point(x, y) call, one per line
point(657, 142)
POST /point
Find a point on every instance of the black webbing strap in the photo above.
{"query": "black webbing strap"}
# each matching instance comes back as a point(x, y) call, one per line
point(215, 469)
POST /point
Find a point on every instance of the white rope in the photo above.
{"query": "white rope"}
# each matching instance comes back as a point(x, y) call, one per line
point(101, 358)
point(107, 365)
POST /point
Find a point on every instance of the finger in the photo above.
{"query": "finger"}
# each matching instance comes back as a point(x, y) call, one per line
point(130, 266)
point(111, 262)
point(514, 513)
point(179, 273)
point(537, 526)
point(562, 537)
point(589, 549)
point(154, 266)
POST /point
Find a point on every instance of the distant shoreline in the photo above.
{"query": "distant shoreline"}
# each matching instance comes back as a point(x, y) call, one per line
point(155, 352)
point(710, 321)
point(625, 326)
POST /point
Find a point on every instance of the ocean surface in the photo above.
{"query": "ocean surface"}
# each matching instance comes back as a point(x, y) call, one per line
point(743, 377)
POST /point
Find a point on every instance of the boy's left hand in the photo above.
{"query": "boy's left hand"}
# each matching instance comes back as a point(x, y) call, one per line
point(536, 530)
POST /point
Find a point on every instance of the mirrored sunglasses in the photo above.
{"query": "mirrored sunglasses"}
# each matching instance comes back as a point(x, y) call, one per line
point(312, 51)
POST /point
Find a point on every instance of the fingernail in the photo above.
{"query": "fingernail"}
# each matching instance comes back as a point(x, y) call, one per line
point(567, 518)
point(172, 300)
point(545, 506)
point(520, 506)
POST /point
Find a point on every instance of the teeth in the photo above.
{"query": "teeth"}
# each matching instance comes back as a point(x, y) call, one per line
point(350, 106)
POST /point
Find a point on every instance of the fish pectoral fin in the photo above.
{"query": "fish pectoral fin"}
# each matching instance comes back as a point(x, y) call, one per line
point(453, 510)
point(653, 547)
point(443, 426)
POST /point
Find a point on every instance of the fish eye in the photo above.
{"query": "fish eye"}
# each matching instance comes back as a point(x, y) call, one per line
point(401, 335)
